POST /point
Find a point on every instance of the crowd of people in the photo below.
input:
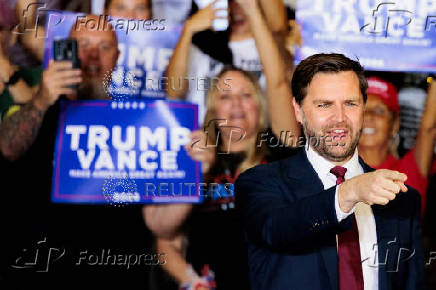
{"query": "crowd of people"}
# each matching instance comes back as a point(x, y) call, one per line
point(204, 244)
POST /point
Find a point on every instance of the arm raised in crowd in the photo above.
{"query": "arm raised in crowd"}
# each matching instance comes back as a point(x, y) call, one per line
point(178, 65)
point(18, 132)
point(275, 15)
point(425, 140)
point(281, 111)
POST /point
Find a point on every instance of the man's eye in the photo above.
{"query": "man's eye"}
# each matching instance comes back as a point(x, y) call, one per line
point(106, 46)
point(323, 105)
point(351, 104)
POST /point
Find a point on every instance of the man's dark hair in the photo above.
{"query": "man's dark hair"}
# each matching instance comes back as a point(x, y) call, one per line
point(326, 63)
point(107, 3)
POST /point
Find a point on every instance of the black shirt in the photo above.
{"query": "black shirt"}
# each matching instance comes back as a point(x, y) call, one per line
point(215, 234)
point(214, 228)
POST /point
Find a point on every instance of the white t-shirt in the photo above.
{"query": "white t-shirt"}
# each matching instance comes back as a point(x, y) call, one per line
point(202, 68)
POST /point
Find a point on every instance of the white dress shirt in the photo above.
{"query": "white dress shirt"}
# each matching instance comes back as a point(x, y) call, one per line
point(363, 213)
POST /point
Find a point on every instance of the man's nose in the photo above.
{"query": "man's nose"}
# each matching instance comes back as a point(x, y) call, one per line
point(339, 113)
point(93, 52)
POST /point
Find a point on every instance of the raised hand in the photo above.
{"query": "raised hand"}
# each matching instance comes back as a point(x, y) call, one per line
point(57, 80)
point(377, 187)
point(203, 19)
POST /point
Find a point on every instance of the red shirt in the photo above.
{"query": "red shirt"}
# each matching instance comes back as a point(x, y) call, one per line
point(407, 165)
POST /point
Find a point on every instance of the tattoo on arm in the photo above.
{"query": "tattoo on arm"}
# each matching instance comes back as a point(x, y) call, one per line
point(18, 131)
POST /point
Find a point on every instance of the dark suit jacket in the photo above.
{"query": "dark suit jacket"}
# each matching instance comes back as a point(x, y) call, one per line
point(290, 225)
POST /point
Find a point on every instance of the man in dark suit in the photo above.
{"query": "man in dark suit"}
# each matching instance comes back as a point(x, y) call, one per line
point(323, 219)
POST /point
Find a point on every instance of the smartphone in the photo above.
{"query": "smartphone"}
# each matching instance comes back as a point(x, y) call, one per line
point(217, 24)
point(66, 49)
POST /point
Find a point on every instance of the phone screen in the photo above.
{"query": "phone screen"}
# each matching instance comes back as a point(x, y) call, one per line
point(217, 24)
point(66, 49)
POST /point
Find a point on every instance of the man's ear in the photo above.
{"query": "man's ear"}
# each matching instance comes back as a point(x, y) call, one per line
point(298, 111)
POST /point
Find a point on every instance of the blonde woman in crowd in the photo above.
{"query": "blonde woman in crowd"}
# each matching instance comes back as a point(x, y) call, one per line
point(236, 114)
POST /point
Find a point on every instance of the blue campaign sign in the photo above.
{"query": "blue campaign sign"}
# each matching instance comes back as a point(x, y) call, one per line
point(125, 152)
point(145, 49)
point(383, 35)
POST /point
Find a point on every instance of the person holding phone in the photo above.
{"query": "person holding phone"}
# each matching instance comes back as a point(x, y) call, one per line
point(202, 52)
point(27, 140)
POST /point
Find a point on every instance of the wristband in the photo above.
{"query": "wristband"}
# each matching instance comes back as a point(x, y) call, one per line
point(194, 285)
point(207, 280)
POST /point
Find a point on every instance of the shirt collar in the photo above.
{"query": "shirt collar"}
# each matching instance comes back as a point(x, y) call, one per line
point(322, 166)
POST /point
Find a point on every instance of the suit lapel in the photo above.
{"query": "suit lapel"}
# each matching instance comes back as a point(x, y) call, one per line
point(386, 229)
point(299, 168)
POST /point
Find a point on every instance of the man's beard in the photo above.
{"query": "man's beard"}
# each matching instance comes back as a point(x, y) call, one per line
point(92, 89)
point(318, 142)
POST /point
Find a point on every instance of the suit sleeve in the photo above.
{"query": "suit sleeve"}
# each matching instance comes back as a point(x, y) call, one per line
point(416, 278)
point(269, 218)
